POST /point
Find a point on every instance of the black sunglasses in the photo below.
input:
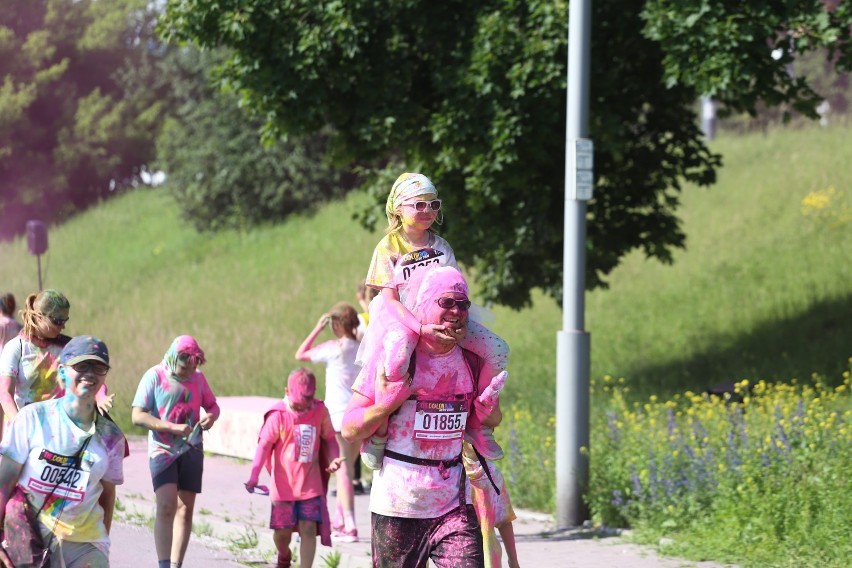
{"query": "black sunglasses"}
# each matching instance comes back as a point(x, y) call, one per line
point(448, 303)
point(187, 359)
point(57, 321)
point(84, 367)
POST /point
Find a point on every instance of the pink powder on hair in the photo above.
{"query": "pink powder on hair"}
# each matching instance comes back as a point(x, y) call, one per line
point(187, 344)
point(301, 386)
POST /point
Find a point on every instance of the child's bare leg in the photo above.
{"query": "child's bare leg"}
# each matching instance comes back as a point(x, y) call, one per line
point(345, 492)
point(507, 534)
point(281, 538)
point(398, 347)
point(308, 546)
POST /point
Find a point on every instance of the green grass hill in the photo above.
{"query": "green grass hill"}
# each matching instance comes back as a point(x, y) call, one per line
point(764, 289)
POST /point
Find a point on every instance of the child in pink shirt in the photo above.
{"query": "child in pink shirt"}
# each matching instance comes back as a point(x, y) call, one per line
point(297, 446)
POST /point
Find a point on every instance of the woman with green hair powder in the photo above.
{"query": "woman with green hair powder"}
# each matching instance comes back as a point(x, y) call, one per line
point(29, 363)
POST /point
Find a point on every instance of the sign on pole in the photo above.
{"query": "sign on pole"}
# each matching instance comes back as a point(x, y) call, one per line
point(37, 243)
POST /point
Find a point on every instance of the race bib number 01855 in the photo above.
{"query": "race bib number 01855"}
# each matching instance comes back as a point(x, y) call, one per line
point(439, 420)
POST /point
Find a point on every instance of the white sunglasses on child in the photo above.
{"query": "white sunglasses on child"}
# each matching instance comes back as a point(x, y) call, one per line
point(421, 206)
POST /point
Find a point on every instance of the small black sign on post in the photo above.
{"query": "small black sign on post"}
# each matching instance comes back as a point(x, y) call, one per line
point(37, 243)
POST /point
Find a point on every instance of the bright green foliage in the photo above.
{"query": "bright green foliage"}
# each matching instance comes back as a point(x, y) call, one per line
point(762, 475)
point(69, 132)
point(722, 48)
point(219, 171)
point(527, 438)
point(472, 93)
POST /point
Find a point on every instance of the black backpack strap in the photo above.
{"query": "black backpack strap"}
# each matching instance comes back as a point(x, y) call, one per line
point(475, 362)
point(443, 468)
point(411, 365)
point(485, 468)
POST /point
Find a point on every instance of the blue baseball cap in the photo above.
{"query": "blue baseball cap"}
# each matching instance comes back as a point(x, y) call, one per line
point(84, 348)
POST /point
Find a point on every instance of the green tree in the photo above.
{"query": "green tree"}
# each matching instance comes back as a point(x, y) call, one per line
point(472, 93)
point(722, 48)
point(70, 133)
point(219, 171)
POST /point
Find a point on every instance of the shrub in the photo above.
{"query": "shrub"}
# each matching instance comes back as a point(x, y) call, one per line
point(527, 440)
point(761, 474)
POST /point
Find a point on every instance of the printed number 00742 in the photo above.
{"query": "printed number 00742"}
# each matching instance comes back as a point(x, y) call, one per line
point(61, 476)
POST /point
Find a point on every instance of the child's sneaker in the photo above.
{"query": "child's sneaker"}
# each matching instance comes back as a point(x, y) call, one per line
point(483, 440)
point(373, 451)
point(345, 536)
point(284, 559)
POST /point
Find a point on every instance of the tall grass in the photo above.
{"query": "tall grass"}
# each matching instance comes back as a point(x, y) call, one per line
point(137, 276)
point(762, 291)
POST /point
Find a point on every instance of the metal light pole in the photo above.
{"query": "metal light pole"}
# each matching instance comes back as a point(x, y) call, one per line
point(572, 342)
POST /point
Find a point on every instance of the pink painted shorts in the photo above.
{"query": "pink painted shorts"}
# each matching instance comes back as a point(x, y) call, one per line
point(287, 514)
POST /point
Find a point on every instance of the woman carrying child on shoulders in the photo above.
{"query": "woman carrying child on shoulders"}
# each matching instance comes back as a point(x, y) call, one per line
point(410, 249)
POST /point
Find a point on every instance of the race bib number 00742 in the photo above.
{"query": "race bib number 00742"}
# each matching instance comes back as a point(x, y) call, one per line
point(69, 483)
point(439, 420)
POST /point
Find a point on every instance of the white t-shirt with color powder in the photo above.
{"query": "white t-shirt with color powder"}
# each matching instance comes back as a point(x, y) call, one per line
point(395, 262)
point(167, 397)
point(34, 369)
point(430, 427)
point(45, 440)
point(340, 372)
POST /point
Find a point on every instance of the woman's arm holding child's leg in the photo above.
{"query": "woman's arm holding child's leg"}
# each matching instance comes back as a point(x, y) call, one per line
point(363, 415)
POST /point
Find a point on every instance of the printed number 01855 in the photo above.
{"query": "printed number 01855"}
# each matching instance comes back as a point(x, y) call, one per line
point(445, 422)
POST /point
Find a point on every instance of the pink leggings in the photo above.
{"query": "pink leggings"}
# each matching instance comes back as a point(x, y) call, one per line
point(399, 343)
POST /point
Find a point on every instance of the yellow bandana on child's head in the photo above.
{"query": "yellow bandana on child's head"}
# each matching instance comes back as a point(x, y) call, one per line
point(407, 186)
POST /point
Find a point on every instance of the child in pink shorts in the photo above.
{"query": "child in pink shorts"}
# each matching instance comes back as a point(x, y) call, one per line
point(297, 446)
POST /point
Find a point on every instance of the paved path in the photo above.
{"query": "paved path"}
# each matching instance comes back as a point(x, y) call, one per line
point(230, 529)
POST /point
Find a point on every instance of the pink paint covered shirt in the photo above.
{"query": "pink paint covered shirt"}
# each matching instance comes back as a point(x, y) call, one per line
point(296, 440)
point(430, 427)
point(9, 329)
point(173, 400)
